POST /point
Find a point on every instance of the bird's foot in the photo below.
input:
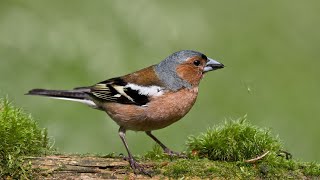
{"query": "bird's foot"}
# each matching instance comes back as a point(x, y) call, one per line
point(171, 153)
point(136, 167)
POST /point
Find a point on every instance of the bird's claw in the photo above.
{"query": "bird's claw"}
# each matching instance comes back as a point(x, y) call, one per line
point(136, 167)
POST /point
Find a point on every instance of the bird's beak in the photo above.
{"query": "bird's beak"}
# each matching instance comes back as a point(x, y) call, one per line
point(212, 65)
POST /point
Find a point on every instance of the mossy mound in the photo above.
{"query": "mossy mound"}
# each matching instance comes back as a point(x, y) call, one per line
point(20, 136)
point(233, 141)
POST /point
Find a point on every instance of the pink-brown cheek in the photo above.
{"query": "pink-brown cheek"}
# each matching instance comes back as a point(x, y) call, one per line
point(190, 74)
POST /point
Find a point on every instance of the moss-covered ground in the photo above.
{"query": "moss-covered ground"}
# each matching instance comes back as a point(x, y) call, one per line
point(233, 150)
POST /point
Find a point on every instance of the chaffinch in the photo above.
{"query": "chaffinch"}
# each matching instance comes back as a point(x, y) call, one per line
point(148, 99)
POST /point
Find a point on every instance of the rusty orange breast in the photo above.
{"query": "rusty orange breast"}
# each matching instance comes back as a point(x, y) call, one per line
point(160, 112)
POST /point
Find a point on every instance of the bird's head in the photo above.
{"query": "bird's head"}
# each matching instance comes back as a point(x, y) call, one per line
point(185, 69)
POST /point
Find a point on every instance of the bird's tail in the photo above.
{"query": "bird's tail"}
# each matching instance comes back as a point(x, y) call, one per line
point(78, 95)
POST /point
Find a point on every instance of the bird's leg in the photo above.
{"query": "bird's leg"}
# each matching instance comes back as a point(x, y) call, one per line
point(133, 163)
point(165, 148)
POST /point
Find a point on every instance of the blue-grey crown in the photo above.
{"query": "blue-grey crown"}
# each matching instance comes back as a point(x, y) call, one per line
point(181, 56)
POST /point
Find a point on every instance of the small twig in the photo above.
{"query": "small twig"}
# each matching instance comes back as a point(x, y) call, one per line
point(257, 158)
point(287, 154)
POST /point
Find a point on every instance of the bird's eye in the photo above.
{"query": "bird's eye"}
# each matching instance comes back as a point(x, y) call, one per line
point(196, 62)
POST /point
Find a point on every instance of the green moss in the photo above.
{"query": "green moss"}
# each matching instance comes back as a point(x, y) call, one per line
point(310, 169)
point(233, 141)
point(222, 151)
point(20, 136)
point(204, 168)
point(155, 154)
point(272, 167)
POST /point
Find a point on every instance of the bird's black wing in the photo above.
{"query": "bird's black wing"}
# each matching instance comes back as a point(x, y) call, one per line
point(117, 90)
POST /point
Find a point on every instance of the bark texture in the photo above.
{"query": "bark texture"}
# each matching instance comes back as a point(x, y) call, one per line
point(82, 167)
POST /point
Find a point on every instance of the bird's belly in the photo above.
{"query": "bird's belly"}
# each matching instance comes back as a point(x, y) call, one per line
point(160, 112)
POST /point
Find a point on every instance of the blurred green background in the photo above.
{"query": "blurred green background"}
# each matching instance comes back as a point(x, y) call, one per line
point(270, 48)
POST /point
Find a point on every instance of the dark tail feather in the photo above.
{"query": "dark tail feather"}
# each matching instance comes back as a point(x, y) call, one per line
point(72, 94)
point(78, 95)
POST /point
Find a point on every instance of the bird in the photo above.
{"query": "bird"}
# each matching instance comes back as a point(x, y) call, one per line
point(148, 99)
